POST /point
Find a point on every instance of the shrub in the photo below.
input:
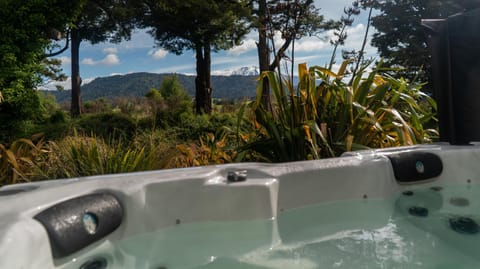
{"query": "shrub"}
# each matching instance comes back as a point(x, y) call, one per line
point(58, 116)
point(24, 160)
point(100, 105)
point(107, 125)
point(19, 106)
point(49, 109)
point(169, 102)
point(191, 127)
point(86, 156)
point(212, 148)
point(324, 116)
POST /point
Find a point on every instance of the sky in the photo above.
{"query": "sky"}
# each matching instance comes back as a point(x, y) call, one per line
point(141, 55)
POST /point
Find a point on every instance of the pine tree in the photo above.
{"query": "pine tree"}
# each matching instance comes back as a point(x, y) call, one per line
point(199, 25)
point(99, 21)
point(400, 38)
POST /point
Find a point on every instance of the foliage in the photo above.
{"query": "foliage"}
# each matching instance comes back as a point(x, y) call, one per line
point(100, 105)
point(199, 26)
point(326, 119)
point(138, 85)
point(26, 29)
point(341, 33)
point(172, 88)
point(400, 38)
point(107, 125)
point(191, 127)
point(22, 161)
point(170, 101)
point(322, 116)
point(212, 148)
point(20, 104)
point(292, 20)
point(99, 21)
point(75, 156)
point(86, 156)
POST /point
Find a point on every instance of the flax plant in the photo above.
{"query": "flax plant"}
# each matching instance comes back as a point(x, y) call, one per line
point(212, 148)
point(23, 161)
point(323, 116)
point(86, 156)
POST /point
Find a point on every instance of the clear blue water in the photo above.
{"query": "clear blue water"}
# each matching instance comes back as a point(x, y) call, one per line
point(346, 234)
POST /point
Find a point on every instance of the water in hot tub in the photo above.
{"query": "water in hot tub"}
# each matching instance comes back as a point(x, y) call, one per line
point(429, 227)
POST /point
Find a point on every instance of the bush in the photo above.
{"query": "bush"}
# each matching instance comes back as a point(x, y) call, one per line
point(169, 102)
point(191, 127)
point(107, 125)
point(58, 116)
point(18, 108)
point(24, 160)
point(100, 105)
point(78, 156)
point(328, 118)
point(27, 160)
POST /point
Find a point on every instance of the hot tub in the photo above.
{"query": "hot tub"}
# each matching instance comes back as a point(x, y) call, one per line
point(414, 207)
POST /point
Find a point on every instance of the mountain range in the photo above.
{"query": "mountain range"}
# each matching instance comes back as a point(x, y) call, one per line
point(231, 87)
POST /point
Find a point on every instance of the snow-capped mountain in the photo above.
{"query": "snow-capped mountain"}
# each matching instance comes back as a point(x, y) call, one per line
point(242, 71)
point(246, 71)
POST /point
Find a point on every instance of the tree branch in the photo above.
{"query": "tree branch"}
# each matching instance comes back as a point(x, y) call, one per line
point(280, 54)
point(67, 42)
point(111, 17)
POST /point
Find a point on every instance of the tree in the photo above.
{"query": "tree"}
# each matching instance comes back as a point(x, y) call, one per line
point(293, 19)
point(199, 25)
point(341, 34)
point(400, 38)
point(171, 88)
point(26, 29)
point(99, 21)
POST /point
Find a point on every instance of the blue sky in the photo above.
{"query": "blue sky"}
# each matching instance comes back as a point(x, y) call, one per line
point(140, 54)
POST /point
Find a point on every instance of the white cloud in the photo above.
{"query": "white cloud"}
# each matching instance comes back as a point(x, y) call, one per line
point(355, 38)
point(234, 62)
point(176, 69)
point(110, 50)
point(110, 59)
point(310, 45)
point(307, 58)
point(66, 85)
point(65, 60)
point(88, 61)
point(247, 45)
point(158, 54)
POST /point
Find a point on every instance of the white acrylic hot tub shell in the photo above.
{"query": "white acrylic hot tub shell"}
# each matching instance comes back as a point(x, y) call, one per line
point(155, 200)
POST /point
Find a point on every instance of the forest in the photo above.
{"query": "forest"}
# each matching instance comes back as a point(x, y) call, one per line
point(228, 88)
point(322, 112)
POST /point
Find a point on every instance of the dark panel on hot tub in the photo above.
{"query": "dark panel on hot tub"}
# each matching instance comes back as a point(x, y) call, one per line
point(415, 166)
point(76, 223)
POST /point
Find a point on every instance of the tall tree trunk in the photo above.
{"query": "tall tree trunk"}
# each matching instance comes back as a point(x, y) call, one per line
point(263, 51)
point(75, 108)
point(203, 87)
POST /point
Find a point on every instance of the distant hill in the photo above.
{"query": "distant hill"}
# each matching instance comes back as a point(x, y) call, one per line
point(138, 84)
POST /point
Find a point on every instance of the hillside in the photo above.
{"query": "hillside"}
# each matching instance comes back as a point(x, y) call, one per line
point(138, 84)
